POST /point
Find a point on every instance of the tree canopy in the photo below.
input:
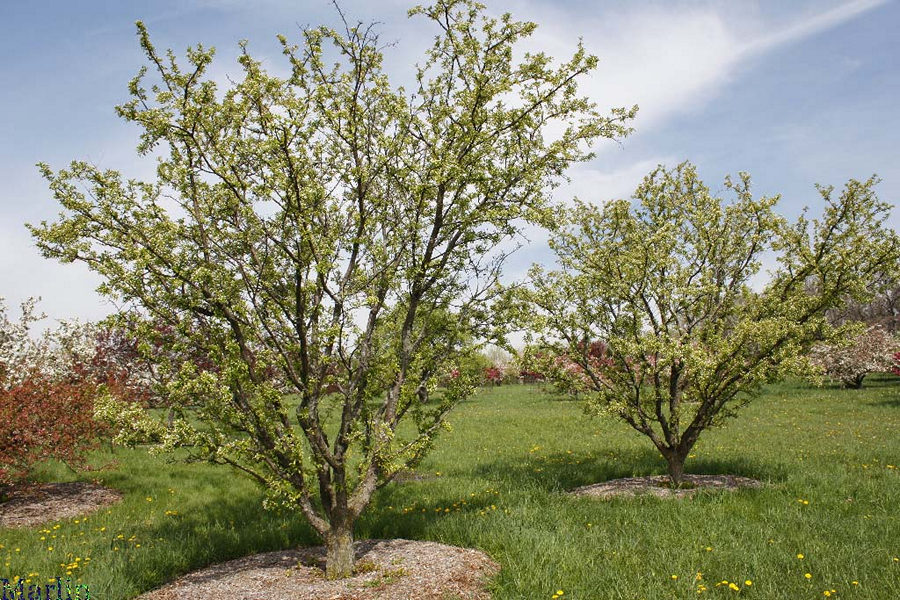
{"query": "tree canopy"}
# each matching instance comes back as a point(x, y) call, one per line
point(327, 242)
point(654, 308)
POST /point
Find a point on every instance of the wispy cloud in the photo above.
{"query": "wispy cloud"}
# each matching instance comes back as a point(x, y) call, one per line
point(668, 58)
point(807, 27)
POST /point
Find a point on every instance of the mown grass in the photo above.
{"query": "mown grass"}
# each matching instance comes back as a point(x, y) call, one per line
point(830, 459)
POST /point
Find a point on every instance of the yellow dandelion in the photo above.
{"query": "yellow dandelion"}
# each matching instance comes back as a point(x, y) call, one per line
point(808, 575)
point(748, 583)
point(800, 556)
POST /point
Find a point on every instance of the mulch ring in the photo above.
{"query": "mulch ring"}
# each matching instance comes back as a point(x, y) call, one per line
point(658, 485)
point(385, 570)
point(38, 503)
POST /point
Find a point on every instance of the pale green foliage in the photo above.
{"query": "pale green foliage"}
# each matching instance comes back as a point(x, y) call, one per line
point(329, 236)
point(664, 282)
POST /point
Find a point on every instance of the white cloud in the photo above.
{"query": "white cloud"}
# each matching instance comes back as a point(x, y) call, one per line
point(591, 184)
point(810, 26)
point(669, 58)
point(66, 291)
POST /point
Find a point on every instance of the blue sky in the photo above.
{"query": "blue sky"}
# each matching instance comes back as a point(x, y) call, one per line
point(793, 92)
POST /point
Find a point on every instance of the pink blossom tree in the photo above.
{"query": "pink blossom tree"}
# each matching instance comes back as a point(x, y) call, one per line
point(871, 351)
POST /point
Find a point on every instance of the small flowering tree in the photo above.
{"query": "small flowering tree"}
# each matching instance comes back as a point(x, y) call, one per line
point(47, 395)
point(493, 375)
point(871, 351)
point(335, 238)
point(664, 281)
point(55, 353)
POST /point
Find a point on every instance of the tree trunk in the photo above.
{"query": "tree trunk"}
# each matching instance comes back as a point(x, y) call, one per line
point(675, 460)
point(340, 556)
point(854, 383)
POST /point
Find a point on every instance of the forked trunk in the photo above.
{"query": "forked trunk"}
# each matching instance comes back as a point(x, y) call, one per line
point(339, 557)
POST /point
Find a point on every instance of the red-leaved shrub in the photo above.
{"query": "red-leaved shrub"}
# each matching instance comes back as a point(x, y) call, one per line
point(493, 375)
point(45, 418)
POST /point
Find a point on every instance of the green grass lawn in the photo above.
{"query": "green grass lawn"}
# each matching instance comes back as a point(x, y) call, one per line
point(830, 459)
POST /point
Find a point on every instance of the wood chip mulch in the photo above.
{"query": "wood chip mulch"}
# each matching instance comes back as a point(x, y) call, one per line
point(387, 570)
point(43, 502)
point(657, 485)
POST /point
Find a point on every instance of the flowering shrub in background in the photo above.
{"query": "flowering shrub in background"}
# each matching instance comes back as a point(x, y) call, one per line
point(565, 370)
point(493, 375)
point(56, 353)
point(47, 394)
point(873, 350)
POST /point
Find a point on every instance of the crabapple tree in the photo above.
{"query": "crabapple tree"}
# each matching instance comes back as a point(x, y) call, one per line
point(328, 241)
point(850, 360)
point(664, 282)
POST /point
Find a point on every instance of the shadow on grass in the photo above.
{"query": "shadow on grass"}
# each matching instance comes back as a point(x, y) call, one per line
point(562, 471)
point(415, 510)
point(205, 533)
point(889, 402)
